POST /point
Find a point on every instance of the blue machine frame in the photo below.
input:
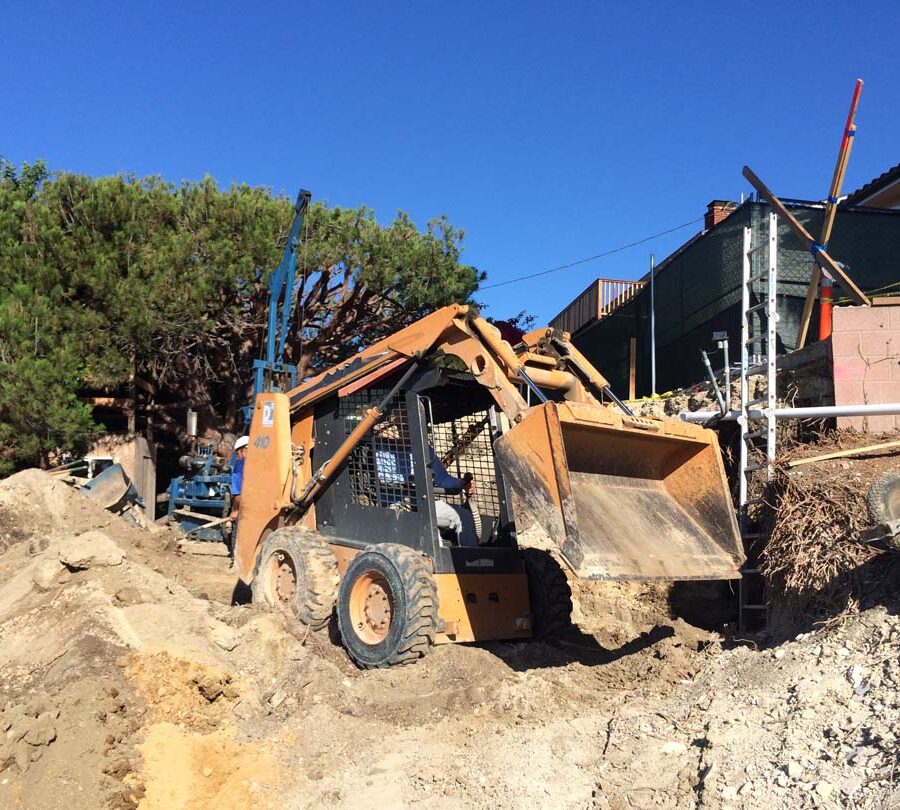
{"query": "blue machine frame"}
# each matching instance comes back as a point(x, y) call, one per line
point(206, 488)
point(272, 373)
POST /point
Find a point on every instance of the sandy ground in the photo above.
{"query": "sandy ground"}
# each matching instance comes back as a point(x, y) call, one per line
point(129, 679)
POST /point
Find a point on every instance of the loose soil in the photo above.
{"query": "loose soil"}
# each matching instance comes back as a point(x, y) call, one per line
point(137, 682)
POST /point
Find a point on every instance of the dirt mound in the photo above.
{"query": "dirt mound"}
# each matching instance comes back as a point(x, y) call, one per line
point(128, 679)
point(96, 648)
point(182, 692)
point(33, 505)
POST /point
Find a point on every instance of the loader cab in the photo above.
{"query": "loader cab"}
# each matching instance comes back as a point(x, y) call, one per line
point(386, 492)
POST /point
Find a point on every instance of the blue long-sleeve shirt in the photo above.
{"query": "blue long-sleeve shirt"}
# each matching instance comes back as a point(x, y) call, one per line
point(237, 477)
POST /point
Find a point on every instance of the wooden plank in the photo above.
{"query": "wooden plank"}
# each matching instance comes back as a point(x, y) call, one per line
point(886, 301)
point(217, 522)
point(837, 180)
point(855, 451)
point(804, 236)
point(840, 168)
point(145, 474)
point(198, 515)
point(632, 369)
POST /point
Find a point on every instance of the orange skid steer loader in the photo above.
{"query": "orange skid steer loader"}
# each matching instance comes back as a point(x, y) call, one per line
point(343, 508)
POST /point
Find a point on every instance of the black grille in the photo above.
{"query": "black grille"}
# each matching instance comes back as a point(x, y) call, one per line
point(464, 445)
point(380, 467)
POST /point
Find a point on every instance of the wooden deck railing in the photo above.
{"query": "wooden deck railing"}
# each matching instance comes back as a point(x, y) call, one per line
point(603, 297)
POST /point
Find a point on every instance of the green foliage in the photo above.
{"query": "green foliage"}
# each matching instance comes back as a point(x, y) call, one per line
point(111, 280)
point(41, 367)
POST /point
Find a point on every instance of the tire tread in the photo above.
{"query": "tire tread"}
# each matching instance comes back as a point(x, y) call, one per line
point(317, 574)
point(545, 572)
point(421, 619)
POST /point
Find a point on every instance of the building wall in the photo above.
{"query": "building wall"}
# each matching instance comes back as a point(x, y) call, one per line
point(865, 344)
point(698, 291)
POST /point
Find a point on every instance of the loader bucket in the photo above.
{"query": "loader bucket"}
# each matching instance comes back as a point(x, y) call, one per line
point(622, 497)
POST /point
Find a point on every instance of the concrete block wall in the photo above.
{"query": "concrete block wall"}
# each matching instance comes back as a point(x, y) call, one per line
point(865, 346)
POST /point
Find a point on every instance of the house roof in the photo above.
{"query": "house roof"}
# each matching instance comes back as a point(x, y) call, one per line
point(873, 187)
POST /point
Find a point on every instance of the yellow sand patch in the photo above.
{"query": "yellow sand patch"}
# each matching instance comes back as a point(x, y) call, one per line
point(183, 769)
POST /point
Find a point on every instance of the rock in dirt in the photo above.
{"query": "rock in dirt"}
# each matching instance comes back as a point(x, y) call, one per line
point(210, 685)
point(824, 789)
point(223, 636)
point(90, 550)
point(42, 732)
point(794, 770)
point(130, 595)
point(48, 574)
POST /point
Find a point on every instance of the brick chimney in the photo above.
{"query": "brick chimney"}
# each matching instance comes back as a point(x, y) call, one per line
point(716, 211)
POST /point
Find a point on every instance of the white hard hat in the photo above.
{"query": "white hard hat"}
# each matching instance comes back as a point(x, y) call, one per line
point(243, 441)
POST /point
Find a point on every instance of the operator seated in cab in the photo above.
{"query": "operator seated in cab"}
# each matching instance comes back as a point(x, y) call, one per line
point(394, 467)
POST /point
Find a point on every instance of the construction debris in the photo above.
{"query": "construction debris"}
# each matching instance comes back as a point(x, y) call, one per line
point(815, 550)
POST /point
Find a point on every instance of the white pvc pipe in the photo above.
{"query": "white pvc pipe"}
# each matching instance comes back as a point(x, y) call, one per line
point(822, 412)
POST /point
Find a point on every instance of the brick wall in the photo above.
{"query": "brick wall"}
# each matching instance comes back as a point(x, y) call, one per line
point(866, 350)
point(716, 211)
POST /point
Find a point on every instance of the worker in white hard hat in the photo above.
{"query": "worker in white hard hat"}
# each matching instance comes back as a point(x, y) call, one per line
point(237, 481)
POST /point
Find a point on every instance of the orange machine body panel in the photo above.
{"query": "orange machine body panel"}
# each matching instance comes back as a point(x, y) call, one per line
point(483, 607)
point(267, 477)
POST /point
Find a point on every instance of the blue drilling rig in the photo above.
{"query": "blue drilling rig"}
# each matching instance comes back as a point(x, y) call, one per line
point(200, 499)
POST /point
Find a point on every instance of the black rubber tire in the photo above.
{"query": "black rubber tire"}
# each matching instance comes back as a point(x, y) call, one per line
point(883, 498)
point(414, 606)
point(883, 502)
point(549, 594)
point(315, 575)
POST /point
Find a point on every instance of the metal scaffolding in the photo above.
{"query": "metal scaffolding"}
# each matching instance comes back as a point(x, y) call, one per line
point(759, 322)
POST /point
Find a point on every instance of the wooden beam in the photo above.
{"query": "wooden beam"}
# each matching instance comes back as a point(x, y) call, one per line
point(886, 301)
point(837, 180)
point(840, 168)
point(855, 451)
point(199, 516)
point(833, 268)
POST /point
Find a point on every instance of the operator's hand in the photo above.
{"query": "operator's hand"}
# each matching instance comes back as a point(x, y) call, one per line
point(233, 516)
point(469, 484)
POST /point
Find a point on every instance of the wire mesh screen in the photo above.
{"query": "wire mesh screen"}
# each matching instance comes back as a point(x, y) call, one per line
point(380, 467)
point(463, 445)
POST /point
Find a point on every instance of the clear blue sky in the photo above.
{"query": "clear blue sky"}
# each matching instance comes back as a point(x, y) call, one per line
point(548, 131)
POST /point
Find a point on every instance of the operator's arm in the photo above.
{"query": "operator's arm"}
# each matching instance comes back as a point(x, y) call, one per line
point(442, 478)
